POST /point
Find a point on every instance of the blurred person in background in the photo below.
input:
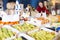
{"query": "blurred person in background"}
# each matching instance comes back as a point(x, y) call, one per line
point(10, 10)
point(45, 4)
point(29, 9)
point(57, 6)
point(41, 8)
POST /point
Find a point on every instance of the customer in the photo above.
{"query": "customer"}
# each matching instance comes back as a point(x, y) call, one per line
point(42, 8)
point(10, 10)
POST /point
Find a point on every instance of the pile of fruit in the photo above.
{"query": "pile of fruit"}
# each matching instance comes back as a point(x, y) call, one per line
point(44, 21)
point(11, 23)
point(25, 27)
point(58, 16)
point(18, 38)
point(53, 19)
point(55, 24)
point(50, 18)
point(42, 35)
point(5, 33)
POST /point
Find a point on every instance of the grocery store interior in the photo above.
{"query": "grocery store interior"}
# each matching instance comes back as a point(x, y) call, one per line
point(29, 19)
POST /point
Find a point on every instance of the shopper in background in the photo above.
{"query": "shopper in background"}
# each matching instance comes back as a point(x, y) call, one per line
point(41, 8)
point(45, 4)
point(10, 10)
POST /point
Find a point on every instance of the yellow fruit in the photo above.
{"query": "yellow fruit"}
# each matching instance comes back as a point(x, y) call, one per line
point(25, 27)
point(42, 35)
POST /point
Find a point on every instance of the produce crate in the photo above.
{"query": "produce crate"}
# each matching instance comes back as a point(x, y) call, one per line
point(42, 34)
point(18, 36)
point(6, 33)
point(26, 27)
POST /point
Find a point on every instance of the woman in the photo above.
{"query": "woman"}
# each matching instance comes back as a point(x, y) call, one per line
point(42, 8)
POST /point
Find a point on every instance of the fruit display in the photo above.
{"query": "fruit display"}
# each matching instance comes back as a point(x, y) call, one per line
point(44, 21)
point(50, 18)
point(5, 33)
point(58, 16)
point(56, 24)
point(53, 19)
point(19, 38)
point(20, 23)
point(42, 35)
point(14, 38)
point(7, 23)
point(25, 27)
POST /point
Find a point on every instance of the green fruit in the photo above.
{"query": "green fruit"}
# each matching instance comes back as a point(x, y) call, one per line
point(19, 38)
point(15, 39)
point(25, 27)
point(10, 33)
point(0, 31)
point(4, 35)
point(0, 38)
point(4, 30)
point(17, 27)
point(42, 35)
point(3, 38)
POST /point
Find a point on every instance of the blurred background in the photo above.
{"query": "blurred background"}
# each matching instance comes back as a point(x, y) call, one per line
point(33, 3)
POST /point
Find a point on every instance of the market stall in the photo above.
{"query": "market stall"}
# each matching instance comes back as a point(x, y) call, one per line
point(18, 23)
